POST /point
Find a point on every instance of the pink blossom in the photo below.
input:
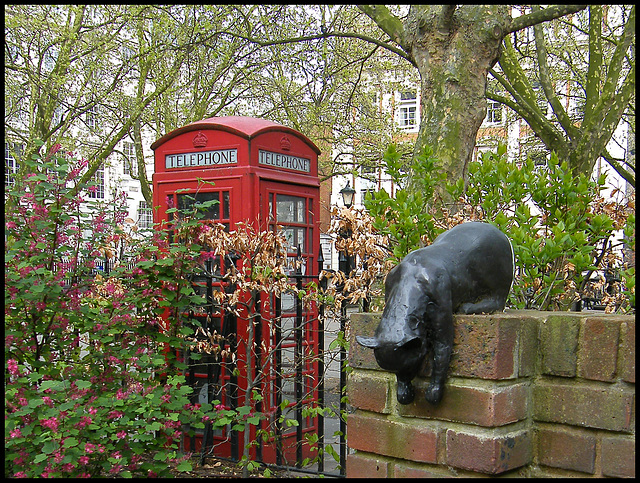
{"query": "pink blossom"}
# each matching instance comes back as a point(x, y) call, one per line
point(48, 401)
point(89, 448)
point(12, 365)
point(20, 474)
point(10, 224)
point(83, 460)
point(92, 410)
point(121, 434)
point(84, 422)
point(51, 424)
point(55, 148)
point(16, 433)
point(20, 459)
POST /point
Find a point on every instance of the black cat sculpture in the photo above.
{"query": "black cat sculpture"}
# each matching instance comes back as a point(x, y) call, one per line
point(469, 270)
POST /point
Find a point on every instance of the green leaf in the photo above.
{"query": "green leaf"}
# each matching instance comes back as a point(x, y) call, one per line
point(50, 446)
point(184, 466)
point(40, 457)
point(51, 384)
point(80, 384)
point(69, 442)
point(255, 420)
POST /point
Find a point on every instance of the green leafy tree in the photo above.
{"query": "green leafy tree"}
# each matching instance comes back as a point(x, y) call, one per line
point(70, 71)
point(453, 47)
point(409, 219)
point(583, 68)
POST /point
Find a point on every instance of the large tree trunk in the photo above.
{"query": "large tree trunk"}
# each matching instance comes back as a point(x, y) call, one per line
point(454, 48)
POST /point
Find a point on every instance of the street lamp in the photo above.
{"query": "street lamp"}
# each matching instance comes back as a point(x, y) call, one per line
point(347, 195)
point(345, 267)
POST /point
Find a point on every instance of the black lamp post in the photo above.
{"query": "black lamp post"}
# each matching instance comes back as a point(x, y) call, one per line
point(347, 195)
point(345, 267)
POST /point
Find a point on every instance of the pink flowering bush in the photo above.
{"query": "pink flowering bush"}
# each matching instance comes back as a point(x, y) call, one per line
point(89, 387)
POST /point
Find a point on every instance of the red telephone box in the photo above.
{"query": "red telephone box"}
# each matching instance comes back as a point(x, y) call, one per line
point(262, 173)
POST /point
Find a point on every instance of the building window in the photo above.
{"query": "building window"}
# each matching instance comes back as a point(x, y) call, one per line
point(576, 108)
point(97, 190)
point(367, 191)
point(130, 162)
point(367, 170)
point(12, 152)
point(541, 98)
point(145, 215)
point(494, 113)
point(91, 117)
point(407, 110)
point(408, 116)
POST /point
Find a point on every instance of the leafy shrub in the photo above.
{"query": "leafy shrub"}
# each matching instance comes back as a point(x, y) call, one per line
point(92, 375)
point(408, 219)
point(560, 226)
point(83, 349)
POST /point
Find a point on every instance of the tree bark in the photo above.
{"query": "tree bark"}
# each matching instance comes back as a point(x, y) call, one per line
point(454, 50)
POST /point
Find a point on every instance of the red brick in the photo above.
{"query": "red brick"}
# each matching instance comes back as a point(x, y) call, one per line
point(484, 406)
point(485, 346)
point(592, 405)
point(408, 470)
point(559, 345)
point(370, 390)
point(487, 451)
point(567, 448)
point(619, 456)
point(381, 435)
point(363, 465)
point(528, 345)
point(362, 324)
point(597, 355)
point(628, 351)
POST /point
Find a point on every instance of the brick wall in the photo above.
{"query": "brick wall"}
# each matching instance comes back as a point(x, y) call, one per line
point(529, 394)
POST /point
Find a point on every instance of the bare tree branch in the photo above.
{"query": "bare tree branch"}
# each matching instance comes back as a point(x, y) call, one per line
point(545, 15)
point(446, 17)
point(387, 22)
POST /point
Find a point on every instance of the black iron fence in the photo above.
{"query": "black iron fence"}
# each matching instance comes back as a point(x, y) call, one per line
point(287, 394)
